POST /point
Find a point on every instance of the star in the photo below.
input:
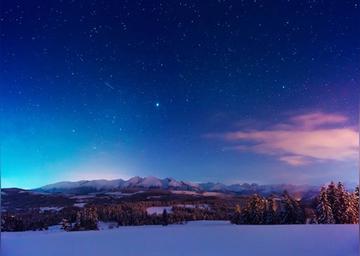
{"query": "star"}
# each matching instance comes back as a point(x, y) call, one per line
point(157, 104)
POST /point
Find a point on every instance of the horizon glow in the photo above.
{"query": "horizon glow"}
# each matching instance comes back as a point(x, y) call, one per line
point(220, 92)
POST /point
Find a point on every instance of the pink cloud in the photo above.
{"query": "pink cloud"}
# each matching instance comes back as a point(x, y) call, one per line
point(302, 140)
point(316, 119)
point(294, 160)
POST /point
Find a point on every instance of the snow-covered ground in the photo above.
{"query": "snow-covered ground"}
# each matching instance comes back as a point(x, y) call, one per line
point(158, 210)
point(195, 238)
point(80, 205)
point(193, 206)
point(55, 209)
point(184, 192)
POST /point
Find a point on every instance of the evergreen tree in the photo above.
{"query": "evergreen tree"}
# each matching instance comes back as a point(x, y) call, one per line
point(352, 212)
point(292, 214)
point(310, 216)
point(236, 218)
point(342, 208)
point(86, 219)
point(254, 212)
point(270, 214)
point(332, 198)
point(77, 221)
point(324, 211)
point(356, 203)
point(90, 219)
point(357, 191)
point(165, 218)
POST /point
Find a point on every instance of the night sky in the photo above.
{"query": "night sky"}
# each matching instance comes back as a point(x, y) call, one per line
point(229, 91)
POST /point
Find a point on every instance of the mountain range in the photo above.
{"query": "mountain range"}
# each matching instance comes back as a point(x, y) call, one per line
point(170, 184)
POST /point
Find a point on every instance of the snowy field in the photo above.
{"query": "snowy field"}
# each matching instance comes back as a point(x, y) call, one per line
point(158, 210)
point(195, 238)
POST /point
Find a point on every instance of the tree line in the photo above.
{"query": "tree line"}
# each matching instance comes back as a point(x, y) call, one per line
point(333, 205)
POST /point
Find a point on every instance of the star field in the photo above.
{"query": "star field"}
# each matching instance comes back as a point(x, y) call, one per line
point(124, 88)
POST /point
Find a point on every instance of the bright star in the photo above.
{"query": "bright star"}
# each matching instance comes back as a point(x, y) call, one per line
point(157, 104)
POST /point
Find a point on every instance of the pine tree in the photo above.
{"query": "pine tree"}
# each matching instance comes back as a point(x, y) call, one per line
point(352, 212)
point(270, 214)
point(292, 214)
point(342, 212)
point(254, 212)
point(324, 211)
point(165, 218)
point(356, 203)
point(91, 219)
point(332, 198)
point(236, 218)
point(357, 191)
point(77, 222)
point(86, 219)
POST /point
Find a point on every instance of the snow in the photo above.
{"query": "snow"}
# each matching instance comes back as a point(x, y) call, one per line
point(82, 200)
point(184, 192)
point(208, 238)
point(83, 197)
point(80, 205)
point(133, 181)
point(150, 181)
point(193, 206)
point(210, 186)
point(218, 194)
point(193, 193)
point(170, 183)
point(118, 194)
point(97, 184)
point(174, 183)
point(54, 209)
point(104, 184)
point(107, 225)
point(64, 185)
point(192, 184)
point(158, 210)
point(55, 228)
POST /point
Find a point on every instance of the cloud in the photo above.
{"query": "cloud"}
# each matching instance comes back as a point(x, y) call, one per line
point(313, 120)
point(302, 140)
point(294, 160)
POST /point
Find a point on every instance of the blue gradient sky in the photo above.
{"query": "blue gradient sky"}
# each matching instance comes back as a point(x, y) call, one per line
point(113, 90)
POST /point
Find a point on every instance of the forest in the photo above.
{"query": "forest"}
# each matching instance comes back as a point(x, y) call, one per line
point(333, 205)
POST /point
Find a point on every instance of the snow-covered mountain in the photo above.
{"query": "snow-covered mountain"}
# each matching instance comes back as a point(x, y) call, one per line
point(83, 186)
point(119, 184)
point(146, 183)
